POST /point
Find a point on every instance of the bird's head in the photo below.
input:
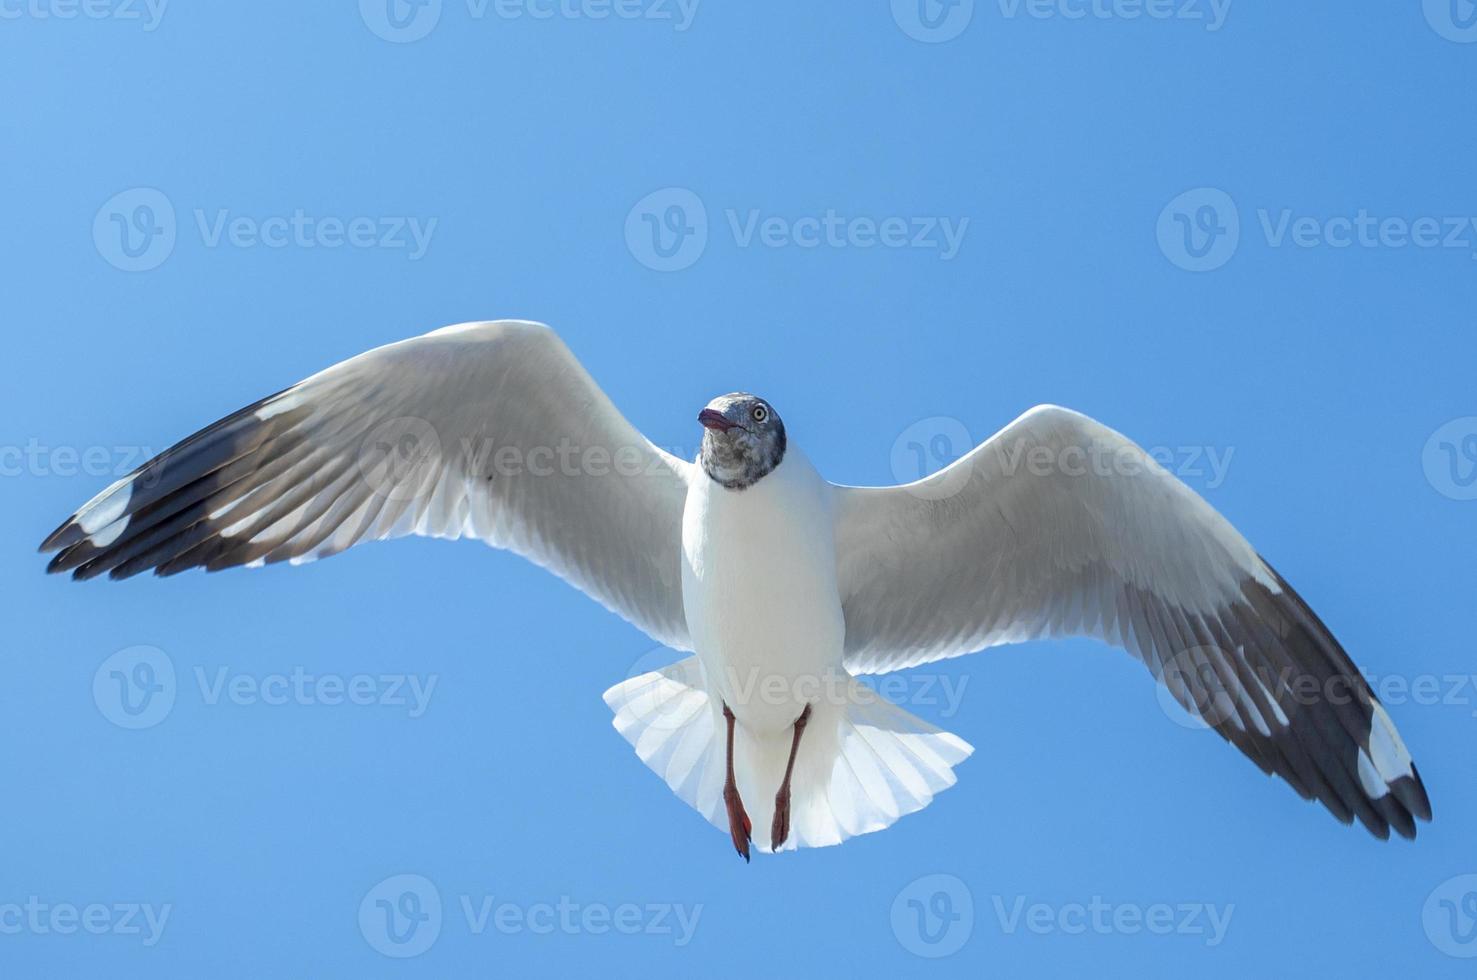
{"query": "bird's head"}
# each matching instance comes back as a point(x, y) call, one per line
point(744, 439)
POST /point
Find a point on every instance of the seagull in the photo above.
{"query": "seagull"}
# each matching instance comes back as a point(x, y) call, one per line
point(785, 588)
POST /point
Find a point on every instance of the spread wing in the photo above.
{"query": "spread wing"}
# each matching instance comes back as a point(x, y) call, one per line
point(1058, 526)
point(491, 430)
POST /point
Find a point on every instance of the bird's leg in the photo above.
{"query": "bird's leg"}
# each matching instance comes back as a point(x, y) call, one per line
point(779, 831)
point(739, 827)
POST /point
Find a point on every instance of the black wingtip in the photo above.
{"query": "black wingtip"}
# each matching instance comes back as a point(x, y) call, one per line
point(61, 562)
point(64, 536)
point(1411, 792)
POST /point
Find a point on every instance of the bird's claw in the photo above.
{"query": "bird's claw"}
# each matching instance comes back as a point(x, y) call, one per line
point(739, 826)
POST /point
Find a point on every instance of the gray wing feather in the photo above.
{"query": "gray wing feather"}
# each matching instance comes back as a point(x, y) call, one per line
point(1059, 526)
point(490, 430)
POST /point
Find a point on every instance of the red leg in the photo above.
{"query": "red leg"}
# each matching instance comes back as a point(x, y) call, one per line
point(779, 831)
point(739, 826)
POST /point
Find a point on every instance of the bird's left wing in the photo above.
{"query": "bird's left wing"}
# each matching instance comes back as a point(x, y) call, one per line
point(1059, 526)
point(491, 430)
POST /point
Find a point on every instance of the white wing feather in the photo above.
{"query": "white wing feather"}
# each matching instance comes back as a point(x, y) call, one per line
point(1059, 526)
point(491, 430)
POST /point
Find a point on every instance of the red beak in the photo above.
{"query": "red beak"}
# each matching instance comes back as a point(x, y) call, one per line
point(714, 420)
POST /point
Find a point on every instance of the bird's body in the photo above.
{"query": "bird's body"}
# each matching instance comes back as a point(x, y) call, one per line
point(783, 585)
point(759, 588)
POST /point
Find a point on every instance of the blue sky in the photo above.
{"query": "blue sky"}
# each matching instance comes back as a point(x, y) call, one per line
point(1240, 233)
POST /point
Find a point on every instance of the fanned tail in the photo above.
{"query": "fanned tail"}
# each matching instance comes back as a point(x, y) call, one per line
point(862, 765)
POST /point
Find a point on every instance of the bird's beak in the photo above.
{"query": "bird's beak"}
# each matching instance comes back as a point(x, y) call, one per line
point(714, 420)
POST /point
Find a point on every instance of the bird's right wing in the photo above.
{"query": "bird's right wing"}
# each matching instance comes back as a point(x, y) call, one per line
point(1059, 526)
point(491, 430)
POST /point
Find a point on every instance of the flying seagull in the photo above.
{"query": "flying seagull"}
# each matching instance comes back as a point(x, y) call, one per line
point(784, 586)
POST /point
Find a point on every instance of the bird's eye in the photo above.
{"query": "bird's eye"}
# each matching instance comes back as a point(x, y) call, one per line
point(759, 414)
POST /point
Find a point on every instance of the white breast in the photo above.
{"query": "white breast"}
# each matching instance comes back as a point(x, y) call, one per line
point(759, 589)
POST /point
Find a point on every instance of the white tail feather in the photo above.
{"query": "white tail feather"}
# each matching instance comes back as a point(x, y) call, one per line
point(861, 766)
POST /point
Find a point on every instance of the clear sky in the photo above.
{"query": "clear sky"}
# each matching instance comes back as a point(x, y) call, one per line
point(1241, 234)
